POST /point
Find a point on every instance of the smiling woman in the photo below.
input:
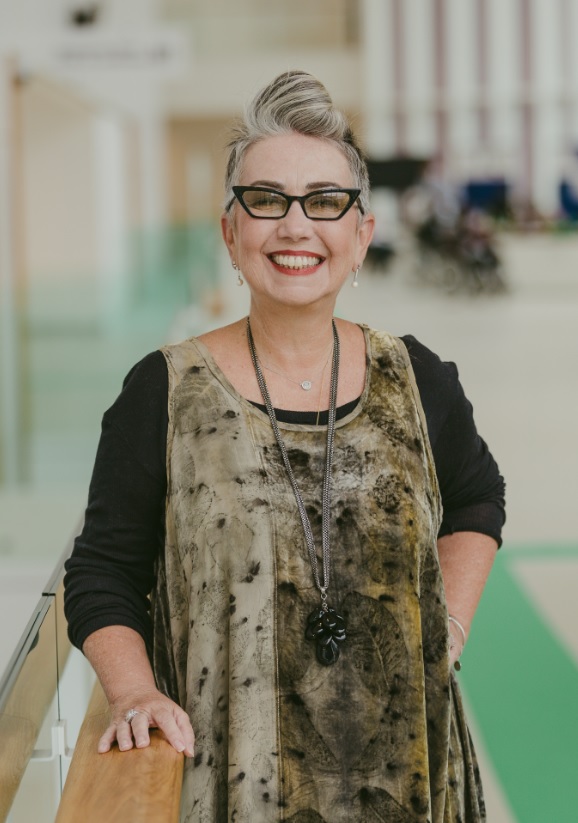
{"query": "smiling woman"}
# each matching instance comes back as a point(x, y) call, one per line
point(312, 511)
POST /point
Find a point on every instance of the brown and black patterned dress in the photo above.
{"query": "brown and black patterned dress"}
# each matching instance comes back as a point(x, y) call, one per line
point(380, 735)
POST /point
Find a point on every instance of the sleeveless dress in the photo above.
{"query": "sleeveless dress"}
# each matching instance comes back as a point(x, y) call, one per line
point(378, 736)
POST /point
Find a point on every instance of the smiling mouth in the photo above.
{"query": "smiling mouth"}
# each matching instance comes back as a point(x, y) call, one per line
point(295, 261)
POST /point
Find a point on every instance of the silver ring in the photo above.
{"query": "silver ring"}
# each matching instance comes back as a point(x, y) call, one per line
point(132, 713)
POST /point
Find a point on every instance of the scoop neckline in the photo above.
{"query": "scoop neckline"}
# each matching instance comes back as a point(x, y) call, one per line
point(254, 410)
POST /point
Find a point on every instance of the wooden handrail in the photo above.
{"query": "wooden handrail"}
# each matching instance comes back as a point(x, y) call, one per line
point(140, 786)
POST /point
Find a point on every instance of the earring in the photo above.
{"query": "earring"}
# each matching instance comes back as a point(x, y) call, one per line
point(355, 282)
point(240, 280)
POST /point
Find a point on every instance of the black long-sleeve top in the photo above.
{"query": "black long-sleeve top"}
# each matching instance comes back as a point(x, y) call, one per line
point(111, 571)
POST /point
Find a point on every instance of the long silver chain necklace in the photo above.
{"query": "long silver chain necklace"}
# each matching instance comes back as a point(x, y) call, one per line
point(324, 625)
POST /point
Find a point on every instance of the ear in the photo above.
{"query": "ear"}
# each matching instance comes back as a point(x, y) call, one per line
point(364, 235)
point(227, 230)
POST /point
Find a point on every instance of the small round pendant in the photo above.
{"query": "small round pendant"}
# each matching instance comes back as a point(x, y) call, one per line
point(306, 385)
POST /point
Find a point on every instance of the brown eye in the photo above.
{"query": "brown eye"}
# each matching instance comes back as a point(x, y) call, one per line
point(327, 203)
point(266, 202)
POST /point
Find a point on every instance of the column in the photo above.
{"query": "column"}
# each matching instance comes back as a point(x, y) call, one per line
point(441, 81)
point(377, 47)
point(547, 91)
point(526, 103)
point(464, 158)
point(152, 180)
point(419, 80)
point(568, 64)
point(482, 59)
point(399, 60)
point(504, 86)
point(12, 406)
point(114, 270)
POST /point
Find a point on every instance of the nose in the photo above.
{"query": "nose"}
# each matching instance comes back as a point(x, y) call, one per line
point(295, 224)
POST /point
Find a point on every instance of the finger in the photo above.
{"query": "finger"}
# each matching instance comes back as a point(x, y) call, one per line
point(124, 735)
point(140, 730)
point(187, 733)
point(166, 722)
point(107, 739)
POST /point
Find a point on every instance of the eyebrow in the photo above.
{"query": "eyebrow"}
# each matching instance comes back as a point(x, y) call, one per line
point(320, 184)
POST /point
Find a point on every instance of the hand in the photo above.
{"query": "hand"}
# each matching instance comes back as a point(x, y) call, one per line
point(155, 710)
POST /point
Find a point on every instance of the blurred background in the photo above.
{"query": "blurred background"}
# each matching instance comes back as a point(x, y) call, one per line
point(113, 123)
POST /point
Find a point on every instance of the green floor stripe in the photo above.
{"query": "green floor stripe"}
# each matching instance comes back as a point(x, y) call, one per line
point(523, 689)
point(539, 552)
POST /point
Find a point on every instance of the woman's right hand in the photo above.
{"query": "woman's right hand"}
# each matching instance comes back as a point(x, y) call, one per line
point(118, 655)
point(154, 710)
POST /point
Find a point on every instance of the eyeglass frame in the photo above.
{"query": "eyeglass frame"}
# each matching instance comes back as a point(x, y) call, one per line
point(290, 198)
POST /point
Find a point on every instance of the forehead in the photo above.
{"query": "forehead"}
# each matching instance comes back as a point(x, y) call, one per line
point(294, 161)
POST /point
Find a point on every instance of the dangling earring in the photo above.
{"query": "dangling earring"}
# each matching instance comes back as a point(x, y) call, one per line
point(355, 282)
point(240, 280)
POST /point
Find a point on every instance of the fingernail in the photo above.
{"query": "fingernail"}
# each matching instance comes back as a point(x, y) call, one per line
point(180, 747)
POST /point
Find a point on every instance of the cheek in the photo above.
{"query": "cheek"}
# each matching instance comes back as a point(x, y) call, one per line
point(343, 238)
point(345, 251)
point(249, 234)
point(250, 255)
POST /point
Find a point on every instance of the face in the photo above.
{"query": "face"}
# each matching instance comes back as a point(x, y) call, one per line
point(296, 261)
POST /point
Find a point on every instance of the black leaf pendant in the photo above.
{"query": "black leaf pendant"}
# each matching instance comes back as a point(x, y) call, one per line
point(327, 628)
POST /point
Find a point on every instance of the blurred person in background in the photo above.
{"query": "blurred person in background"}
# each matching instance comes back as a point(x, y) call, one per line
point(455, 241)
point(291, 520)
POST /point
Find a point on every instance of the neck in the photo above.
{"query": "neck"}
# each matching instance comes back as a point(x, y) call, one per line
point(294, 342)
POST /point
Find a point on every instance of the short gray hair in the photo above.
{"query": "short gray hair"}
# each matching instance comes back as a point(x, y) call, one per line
point(295, 101)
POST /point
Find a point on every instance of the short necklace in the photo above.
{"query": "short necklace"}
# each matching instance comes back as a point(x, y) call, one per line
point(324, 625)
point(306, 385)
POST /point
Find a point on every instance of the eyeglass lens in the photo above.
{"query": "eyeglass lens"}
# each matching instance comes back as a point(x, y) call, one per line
point(317, 204)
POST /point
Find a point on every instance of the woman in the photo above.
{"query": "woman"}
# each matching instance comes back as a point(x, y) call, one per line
point(272, 484)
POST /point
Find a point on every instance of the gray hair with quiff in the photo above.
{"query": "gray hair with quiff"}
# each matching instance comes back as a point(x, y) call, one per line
point(295, 101)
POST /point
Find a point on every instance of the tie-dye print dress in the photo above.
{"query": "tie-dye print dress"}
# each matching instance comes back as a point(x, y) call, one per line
point(380, 735)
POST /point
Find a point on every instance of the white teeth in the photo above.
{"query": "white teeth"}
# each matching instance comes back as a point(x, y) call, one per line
point(291, 261)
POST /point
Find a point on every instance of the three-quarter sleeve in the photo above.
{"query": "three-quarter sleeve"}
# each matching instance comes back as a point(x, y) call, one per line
point(471, 486)
point(111, 570)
